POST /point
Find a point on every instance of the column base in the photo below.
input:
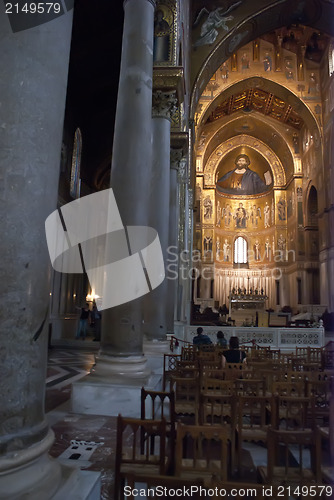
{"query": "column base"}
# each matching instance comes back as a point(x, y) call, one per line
point(31, 474)
point(121, 369)
point(156, 347)
point(114, 387)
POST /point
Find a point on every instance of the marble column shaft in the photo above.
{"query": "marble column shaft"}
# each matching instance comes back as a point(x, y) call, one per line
point(131, 162)
point(33, 85)
point(155, 309)
point(176, 155)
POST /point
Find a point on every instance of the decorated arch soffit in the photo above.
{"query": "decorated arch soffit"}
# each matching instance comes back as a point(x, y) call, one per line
point(237, 22)
point(295, 112)
point(246, 141)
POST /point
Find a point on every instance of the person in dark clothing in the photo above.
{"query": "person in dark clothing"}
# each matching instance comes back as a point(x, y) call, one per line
point(201, 339)
point(83, 320)
point(221, 340)
point(96, 322)
point(234, 354)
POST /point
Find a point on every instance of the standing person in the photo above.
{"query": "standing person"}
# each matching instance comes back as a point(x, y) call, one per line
point(234, 354)
point(201, 339)
point(83, 320)
point(96, 321)
point(221, 340)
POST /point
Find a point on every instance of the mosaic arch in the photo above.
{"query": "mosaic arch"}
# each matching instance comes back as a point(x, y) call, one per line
point(247, 25)
point(280, 91)
point(218, 155)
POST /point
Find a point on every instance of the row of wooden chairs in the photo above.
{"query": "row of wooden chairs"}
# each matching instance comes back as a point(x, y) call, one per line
point(202, 456)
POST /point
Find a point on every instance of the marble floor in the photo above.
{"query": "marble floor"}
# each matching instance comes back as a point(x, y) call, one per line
point(89, 441)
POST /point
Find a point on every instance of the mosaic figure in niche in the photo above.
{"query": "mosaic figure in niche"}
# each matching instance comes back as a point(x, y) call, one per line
point(207, 243)
point(207, 203)
point(227, 215)
point(241, 180)
point(288, 69)
point(257, 250)
point(267, 248)
point(244, 61)
point(267, 62)
point(281, 206)
point(224, 72)
point(218, 248)
point(266, 212)
point(161, 37)
point(240, 216)
point(226, 251)
point(219, 213)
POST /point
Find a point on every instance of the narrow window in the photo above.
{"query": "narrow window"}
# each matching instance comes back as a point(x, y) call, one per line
point(240, 250)
point(76, 162)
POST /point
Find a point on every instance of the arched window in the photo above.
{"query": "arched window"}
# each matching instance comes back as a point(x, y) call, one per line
point(76, 162)
point(240, 250)
point(331, 59)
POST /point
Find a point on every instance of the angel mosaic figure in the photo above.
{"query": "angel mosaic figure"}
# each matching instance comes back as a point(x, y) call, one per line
point(216, 19)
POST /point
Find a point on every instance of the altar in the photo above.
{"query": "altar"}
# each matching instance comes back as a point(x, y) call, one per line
point(250, 302)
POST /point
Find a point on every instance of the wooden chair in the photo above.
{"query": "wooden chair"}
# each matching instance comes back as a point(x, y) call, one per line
point(159, 405)
point(186, 396)
point(220, 410)
point(202, 452)
point(233, 370)
point(214, 386)
point(132, 456)
point(292, 412)
point(284, 388)
point(252, 421)
point(321, 392)
point(288, 455)
point(187, 368)
point(169, 368)
point(157, 485)
point(327, 434)
point(189, 353)
point(249, 387)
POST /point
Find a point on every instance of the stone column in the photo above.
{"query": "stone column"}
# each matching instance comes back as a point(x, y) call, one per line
point(175, 157)
point(33, 84)
point(122, 336)
point(155, 309)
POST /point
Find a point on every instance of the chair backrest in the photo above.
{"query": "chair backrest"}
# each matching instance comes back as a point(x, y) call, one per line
point(250, 387)
point(133, 443)
point(292, 412)
point(217, 409)
point(233, 370)
point(156, 405)
point(203, 449)
point(189, 353)
point(307, 445)
point(216, 386)
point(169, 367)
point(186, 395)
point(283, 388)
point(252, 412)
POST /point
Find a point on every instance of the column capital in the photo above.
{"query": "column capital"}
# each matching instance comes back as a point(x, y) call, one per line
point(153, 2)
point(169, 78)
point(164, 104)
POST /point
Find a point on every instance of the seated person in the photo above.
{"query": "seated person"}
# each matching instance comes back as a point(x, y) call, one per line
point(221, 340)
point(234, 354)
point(201, 339)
